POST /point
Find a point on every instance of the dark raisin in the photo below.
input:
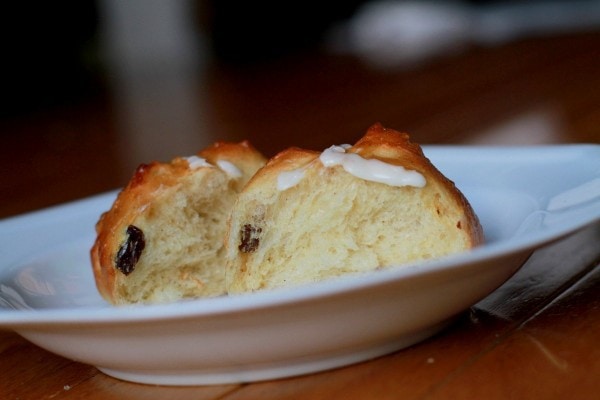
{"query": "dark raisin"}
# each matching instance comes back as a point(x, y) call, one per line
point(249, 238)
point(130, 251)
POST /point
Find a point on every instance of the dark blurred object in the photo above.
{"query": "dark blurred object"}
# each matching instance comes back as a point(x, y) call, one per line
point(253, 32)
point(48, 54)
point(406, 34)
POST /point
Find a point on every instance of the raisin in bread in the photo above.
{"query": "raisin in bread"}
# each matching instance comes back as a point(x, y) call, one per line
point(162, 240)
point(308, 216)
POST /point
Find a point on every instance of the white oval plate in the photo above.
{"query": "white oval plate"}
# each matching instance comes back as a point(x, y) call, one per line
point(524, 196)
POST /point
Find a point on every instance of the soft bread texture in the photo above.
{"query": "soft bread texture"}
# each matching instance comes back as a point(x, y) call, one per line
point(179, 214)
point(331, 223)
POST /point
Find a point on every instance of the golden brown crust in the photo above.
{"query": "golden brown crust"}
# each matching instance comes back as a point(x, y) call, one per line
point(220, 150)
point(390, 146)
point(286, 160)
point(242, 152)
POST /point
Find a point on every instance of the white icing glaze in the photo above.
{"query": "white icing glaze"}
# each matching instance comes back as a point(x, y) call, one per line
point(371, 169)
point(197, 162)
point(288, 179)
point(229, 169)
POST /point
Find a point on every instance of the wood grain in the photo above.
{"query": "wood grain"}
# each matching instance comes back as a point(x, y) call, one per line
point(534, 337)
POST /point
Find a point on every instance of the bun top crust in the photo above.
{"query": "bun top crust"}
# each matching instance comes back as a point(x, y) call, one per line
point(380, 143)
point(243, 155)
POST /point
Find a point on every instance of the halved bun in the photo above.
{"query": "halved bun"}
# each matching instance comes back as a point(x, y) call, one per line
point(162, 240)
point(308, 216)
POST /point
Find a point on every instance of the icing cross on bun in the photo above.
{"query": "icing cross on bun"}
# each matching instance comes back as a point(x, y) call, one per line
point(308, 216)
point(162, 239)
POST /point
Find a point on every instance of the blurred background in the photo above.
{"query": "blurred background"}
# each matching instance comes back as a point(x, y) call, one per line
point(91, 88)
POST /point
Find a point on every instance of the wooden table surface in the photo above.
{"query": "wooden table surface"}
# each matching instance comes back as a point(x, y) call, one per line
point(535, 337)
